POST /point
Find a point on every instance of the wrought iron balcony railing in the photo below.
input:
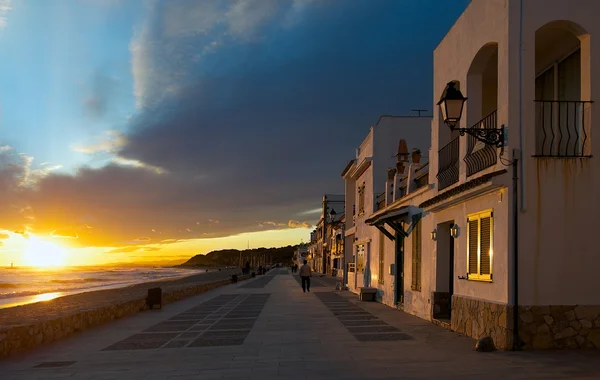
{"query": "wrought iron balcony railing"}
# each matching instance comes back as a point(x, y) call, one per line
point(480, 155)
point(448, 164)
point(562, 128)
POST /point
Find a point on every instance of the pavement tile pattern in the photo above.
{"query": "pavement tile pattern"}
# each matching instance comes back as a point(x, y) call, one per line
point(318, 282)
point(225, 320)
point(363, 325)
point(297, 336)
point(259, 283)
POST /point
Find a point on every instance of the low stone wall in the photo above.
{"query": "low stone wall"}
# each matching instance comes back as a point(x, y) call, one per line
point(576, 326)
point(18, 338)
point(540, 327)
point(477, 318)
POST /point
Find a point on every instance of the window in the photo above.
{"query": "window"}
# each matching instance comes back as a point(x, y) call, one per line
point(560, 113)
point(360, 258)
point(381, 274)
point(416, 254)
point(361, 199)
point(479, 249)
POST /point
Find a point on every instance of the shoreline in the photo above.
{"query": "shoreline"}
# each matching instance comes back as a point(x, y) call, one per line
point(10, 302)
point(29, 326)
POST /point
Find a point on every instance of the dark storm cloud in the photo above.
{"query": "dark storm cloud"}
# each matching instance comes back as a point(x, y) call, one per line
point(273, 122)
point(251, 118)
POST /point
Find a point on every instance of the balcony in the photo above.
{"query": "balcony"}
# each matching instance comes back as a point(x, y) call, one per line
point(448, 164)
point(479, 155)
point(562, 128)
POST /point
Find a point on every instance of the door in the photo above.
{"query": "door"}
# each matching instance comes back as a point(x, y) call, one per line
point(399, 275)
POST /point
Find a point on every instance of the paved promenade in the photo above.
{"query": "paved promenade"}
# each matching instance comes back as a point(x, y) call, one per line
point(266, 328)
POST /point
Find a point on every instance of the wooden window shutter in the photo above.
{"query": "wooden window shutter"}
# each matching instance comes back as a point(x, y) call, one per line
point(416, 256)
point(486, 245)
point(473, 248)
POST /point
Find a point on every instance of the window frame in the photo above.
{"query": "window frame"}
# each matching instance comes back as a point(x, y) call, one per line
point(361, 199)
point(478, 216)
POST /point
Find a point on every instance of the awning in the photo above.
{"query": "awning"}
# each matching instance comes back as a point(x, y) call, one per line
point(393, 218)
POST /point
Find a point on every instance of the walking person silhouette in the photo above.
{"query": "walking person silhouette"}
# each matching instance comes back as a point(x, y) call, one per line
point(305, 275)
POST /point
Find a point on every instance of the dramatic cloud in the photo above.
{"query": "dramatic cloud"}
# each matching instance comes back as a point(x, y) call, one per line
point(110, 142)
point(248, 111)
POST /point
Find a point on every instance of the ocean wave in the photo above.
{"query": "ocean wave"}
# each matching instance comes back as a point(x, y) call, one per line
point(80, 280)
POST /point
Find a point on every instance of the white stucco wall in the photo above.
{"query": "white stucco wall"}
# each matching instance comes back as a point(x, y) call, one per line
point(558, 249)
point(482, 23)
point(557, 253)
point(382, 145)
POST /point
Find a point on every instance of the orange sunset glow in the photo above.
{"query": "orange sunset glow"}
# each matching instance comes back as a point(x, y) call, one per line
point(50, 252)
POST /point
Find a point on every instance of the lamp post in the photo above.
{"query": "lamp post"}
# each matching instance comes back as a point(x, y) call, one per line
point(451, 105)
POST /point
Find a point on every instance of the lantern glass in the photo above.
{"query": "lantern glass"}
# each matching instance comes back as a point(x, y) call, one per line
point(451, 105)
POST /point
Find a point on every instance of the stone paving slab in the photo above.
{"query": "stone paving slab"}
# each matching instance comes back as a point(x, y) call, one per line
point(296, 336)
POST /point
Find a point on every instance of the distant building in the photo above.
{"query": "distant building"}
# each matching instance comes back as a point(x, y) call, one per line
point(365, 185)
point(323, 259)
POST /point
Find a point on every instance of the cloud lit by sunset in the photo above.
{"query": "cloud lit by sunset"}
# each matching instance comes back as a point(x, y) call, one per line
point(140, 133)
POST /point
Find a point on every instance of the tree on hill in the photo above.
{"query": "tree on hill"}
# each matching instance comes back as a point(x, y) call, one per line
point(235, 257)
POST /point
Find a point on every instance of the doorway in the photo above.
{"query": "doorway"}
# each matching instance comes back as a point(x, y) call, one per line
point(442, 296)
point(399, 272)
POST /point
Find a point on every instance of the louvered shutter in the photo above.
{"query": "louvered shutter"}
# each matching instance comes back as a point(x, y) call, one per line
point(485, 245)
point(473, 231)
point(416, 256)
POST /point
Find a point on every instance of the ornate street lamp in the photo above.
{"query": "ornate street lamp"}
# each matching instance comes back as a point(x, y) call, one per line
point(451, 105)
point(332, 215)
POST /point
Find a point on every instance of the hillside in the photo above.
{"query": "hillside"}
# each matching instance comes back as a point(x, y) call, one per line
point(256, 256)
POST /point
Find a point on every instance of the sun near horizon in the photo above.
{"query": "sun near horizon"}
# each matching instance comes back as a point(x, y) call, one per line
point(44, 252)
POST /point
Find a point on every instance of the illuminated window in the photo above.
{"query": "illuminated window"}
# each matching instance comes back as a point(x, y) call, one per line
point(479, 249)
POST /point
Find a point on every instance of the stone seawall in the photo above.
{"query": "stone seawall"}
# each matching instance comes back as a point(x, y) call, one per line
point(540, 327)
point(21, 334)
point(477, 319)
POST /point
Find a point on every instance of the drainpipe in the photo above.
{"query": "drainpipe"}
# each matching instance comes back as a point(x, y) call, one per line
point(523, 199)
point(516, 340)
point(515, 164)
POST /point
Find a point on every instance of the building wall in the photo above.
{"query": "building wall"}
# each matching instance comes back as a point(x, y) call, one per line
point(364, 232)
point(557, 255)
point(559, 200)
point(484, 22)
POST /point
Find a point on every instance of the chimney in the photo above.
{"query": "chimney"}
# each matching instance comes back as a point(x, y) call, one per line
point(390, 174)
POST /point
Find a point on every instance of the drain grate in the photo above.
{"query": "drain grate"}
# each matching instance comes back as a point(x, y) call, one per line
point(55, 364)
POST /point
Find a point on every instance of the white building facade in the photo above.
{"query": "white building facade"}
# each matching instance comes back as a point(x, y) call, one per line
point(365, 182)
point(527, 66)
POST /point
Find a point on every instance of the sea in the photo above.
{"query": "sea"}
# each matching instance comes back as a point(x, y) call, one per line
point(20, 286)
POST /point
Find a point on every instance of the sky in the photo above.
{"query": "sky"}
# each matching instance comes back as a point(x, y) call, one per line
point(159, 129)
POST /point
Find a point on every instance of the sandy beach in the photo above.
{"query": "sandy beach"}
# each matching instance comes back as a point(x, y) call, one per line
point(70, 304)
